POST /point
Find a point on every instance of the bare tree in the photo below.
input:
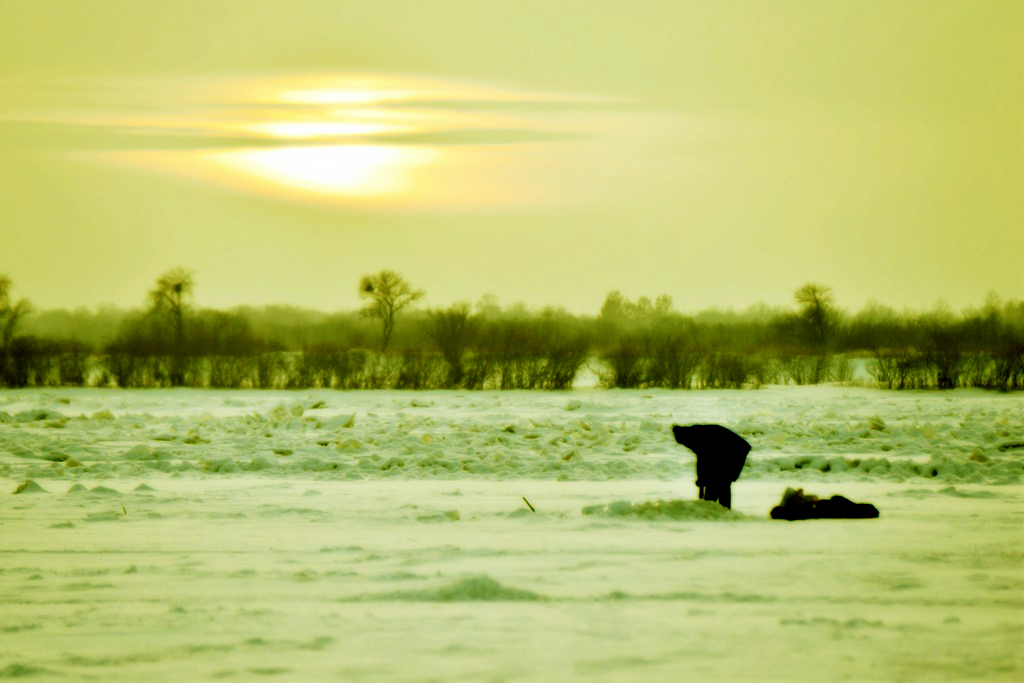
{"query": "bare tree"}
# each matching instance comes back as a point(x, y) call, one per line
point(815, 323)
point(388, 293)
point(818, 313)
point(169, 303)
point(11, 312)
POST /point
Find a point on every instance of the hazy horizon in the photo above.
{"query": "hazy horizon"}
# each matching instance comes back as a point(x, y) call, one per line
point(752, 308)
point(547, 154)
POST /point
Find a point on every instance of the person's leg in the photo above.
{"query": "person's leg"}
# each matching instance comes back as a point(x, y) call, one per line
point(718, 492)
point(725, 495)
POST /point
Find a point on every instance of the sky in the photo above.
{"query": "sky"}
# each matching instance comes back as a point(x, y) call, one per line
point(545, 152)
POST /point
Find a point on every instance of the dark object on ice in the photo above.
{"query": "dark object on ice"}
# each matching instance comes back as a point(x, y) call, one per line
point(799, 505)
point(720, 453)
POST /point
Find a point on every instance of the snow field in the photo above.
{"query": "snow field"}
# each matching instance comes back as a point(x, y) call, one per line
point(319, 580)
point(145, 562)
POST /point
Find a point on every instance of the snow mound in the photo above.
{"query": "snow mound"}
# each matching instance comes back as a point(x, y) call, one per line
point(143, 452)
point(471, 589)
point(103, 491)
point(21, 671)
point(946, 468)
point(665, 509)
point(447, 516)
point(38, 415)
point(29, 486)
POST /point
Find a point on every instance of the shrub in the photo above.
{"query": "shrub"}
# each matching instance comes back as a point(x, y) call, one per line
point(722, 371)
point(452, 331)
point(421, 370)
point(563, 358)
point(626, 364)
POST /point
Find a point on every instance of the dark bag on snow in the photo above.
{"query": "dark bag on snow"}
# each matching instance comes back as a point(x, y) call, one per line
point(799, 505)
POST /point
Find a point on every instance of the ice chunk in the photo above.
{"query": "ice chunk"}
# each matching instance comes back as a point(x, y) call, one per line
point(338, 422)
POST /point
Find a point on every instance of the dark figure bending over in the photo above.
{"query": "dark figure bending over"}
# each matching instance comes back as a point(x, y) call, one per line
point(720, 456)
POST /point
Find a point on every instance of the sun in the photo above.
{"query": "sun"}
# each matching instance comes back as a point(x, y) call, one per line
point(339, 170)
point(306, 130)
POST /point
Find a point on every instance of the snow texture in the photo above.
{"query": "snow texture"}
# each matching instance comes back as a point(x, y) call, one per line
point(170, 535)
point(812, 434)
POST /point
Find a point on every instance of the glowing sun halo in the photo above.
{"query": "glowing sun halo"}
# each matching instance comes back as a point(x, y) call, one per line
point(382, 140)
point(344, 170)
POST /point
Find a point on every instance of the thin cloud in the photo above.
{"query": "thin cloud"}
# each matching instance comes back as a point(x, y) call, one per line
point(388, 140)
point(42, 135)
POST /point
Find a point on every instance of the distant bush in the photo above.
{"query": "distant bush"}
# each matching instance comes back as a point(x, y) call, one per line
point(521, 352)
point(563, 358)
point(422, 370)
point(642, 343)
point(663, 353)
point(317, 367)
point(949, 368)
point(899, 368)
point(232, 372)
point(626, 364)
point(673, 361)
point(18, 368)
point(806, 369)
point(74, 363)
point(31, 361)
point(723, 371)
point(452, 330)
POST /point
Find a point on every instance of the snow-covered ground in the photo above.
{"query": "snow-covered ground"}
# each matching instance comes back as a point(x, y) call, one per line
point(241, 535)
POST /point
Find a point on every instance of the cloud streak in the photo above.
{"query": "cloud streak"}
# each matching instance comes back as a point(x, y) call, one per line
point(454, 143)
point(41, 135)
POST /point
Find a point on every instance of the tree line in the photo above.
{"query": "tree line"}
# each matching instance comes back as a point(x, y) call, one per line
point(391, 343)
